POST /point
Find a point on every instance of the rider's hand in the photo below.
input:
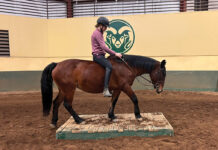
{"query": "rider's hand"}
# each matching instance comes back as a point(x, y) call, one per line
point(118, 55)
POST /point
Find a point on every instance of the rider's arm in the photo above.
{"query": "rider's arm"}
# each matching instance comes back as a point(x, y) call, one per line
point(102, 44)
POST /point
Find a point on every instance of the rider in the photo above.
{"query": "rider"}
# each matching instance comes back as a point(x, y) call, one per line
point(99, 50)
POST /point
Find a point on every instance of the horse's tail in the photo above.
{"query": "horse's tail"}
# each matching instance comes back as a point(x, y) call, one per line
point(47, 88)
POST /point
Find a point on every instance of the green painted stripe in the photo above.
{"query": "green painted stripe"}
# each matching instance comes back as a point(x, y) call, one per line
point(111, 134)
point(186, 81)
point(20, 80)
point(175, 80)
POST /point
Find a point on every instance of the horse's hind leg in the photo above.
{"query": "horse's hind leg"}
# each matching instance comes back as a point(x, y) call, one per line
point(68, 99)
point(114, 99)
point(128, 90)
point(56, 103)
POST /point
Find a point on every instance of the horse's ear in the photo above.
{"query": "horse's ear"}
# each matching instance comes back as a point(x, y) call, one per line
point(163, 63)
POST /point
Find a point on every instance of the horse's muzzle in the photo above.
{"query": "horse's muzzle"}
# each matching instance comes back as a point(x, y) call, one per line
point(159, 89)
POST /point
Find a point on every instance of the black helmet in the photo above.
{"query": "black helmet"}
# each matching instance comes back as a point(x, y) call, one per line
point(104, 21)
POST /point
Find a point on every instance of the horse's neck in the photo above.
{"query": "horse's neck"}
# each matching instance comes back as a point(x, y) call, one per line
point(136, 71)
point(139, 71)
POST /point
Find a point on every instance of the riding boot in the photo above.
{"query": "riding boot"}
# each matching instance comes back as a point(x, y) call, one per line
point(106, 91)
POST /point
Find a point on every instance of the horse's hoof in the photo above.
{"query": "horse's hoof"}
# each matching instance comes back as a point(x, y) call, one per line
point(139, 119)
point(79, 120)
point(138, 116)
point(115, 120)
point(112, 117)
point(53, 126)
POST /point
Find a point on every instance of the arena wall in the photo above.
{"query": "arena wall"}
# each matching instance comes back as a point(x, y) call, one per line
point(188, 41)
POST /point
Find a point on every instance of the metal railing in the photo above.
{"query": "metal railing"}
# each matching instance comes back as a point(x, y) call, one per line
point(61, 9)
point(122, 7)
point(34, 8)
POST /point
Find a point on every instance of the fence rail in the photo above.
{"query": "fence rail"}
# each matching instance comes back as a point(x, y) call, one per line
point(122, 7)
point(34, 8)
point(77, 8)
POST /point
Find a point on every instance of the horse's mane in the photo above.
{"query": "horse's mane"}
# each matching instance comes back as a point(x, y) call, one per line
point(136, 61)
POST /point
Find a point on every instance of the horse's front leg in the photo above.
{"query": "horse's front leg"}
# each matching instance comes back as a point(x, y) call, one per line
point(114, 99)
point(128, 90)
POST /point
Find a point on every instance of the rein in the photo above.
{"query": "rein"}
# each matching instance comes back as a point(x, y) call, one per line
point(135, 74)
point(146, 79)
point(128, 66)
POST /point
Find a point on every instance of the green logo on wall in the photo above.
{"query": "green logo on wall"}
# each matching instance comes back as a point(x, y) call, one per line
point(120, 36)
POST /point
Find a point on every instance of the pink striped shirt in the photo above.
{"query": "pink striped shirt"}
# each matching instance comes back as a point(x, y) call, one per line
point(98, 45)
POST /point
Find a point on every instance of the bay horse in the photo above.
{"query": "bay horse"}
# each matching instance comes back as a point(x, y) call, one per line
point(89, 77)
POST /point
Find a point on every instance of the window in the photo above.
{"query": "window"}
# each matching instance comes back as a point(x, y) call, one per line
point(4, 43)
point(201, 5)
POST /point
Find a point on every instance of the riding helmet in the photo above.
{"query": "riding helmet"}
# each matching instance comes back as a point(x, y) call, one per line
point(104, 21)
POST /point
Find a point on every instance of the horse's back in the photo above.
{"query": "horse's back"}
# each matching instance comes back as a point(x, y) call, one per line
point(72, 63)
point(70, 66)
point(75, 62)
point(83, 74)
point(89, 76)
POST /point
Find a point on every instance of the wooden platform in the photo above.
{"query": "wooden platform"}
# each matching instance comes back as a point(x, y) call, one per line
point(99, 126)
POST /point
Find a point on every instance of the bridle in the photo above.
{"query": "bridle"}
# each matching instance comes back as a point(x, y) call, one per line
point(156, 84)
point(159, 72)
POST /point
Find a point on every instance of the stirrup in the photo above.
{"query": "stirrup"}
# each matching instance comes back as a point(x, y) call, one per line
point(107, 93)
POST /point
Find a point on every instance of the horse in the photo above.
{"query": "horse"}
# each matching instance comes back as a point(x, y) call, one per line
point(89, 77)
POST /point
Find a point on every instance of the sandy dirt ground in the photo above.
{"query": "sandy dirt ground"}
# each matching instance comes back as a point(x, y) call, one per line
point(193, 115)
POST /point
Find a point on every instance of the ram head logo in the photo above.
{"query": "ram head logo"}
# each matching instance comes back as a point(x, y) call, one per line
point(119, 37)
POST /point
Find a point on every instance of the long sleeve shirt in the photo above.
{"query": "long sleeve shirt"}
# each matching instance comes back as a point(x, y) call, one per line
point(98, 45)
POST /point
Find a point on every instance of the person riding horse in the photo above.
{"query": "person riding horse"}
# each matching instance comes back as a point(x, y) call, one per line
point(89, 76)
point(99, 50)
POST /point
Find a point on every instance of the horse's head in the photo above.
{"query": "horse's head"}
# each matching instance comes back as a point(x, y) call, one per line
point(158, 76)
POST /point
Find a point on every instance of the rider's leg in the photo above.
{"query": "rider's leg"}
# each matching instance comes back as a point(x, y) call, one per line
point(108, 68)
point(106, 91)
